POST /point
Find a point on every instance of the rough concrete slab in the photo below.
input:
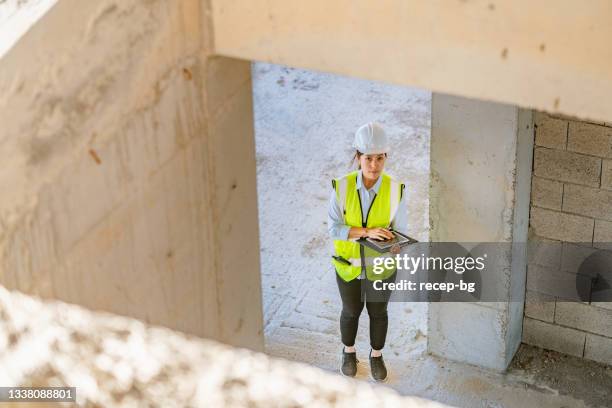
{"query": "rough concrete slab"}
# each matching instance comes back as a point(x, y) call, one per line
point(553, 337)
point(567, 166)
point(560, 226)
point(590, 139)
point(550, 131)
point(591, 202)
point(121, 362)
point(584, 317)
point(602, 236)
point(598, 348)
point(543, 251)
point(539, 306)
point(546, 193)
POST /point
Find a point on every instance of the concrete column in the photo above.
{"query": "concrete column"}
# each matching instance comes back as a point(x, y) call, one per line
point(231, 219)
point(481, 155)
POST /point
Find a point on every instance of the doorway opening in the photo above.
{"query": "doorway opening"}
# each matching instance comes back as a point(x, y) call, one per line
point(304, 126)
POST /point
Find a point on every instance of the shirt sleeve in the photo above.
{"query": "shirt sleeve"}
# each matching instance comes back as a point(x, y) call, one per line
point(335, 220)
point(400, 222)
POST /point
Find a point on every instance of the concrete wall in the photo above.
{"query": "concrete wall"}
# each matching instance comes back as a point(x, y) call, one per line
point(481, 156)
point(571, 215)
point(548, 55)
point(118, 190)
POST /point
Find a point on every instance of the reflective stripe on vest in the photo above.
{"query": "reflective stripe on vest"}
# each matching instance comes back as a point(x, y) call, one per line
point(381, 213)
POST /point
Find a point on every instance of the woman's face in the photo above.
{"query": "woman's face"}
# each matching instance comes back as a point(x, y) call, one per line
point(372, 165)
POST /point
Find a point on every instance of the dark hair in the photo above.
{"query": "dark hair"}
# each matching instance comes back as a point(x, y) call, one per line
point(356, 157)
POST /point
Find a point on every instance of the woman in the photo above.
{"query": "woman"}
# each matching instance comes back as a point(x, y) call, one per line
point(364, 204)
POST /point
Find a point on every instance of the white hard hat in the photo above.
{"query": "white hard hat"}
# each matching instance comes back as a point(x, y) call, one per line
point(371, 139)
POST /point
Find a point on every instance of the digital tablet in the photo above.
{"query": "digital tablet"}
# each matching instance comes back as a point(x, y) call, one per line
point(385, 245)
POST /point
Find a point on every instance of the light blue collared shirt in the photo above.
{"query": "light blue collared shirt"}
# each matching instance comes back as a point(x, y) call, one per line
point(335, 221)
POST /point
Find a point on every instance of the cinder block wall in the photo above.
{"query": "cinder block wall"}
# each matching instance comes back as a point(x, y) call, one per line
point(571, 214)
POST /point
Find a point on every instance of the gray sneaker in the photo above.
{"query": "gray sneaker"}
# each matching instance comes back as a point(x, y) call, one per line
point(377, 368)
point(349, 364)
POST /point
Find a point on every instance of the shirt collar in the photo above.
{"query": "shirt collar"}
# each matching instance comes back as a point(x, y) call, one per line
point(375, 187)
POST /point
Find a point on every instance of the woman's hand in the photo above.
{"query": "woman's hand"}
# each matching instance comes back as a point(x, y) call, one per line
point(375, 233)
point(378, 233)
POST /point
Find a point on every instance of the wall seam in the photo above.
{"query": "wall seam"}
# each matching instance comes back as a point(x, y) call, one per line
point(562, 195)
point(570, 213)
point(571, 151)
point(566, 182)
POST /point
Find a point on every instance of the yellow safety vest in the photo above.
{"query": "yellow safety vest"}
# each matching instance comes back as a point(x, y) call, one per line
point(382, 212)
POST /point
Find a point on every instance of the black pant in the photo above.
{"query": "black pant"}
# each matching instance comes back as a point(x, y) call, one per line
point(352, 305)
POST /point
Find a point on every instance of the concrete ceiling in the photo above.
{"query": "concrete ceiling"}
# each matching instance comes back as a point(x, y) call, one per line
point(552, 55)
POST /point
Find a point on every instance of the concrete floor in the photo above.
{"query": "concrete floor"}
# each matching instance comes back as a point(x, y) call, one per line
point(304, 124)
